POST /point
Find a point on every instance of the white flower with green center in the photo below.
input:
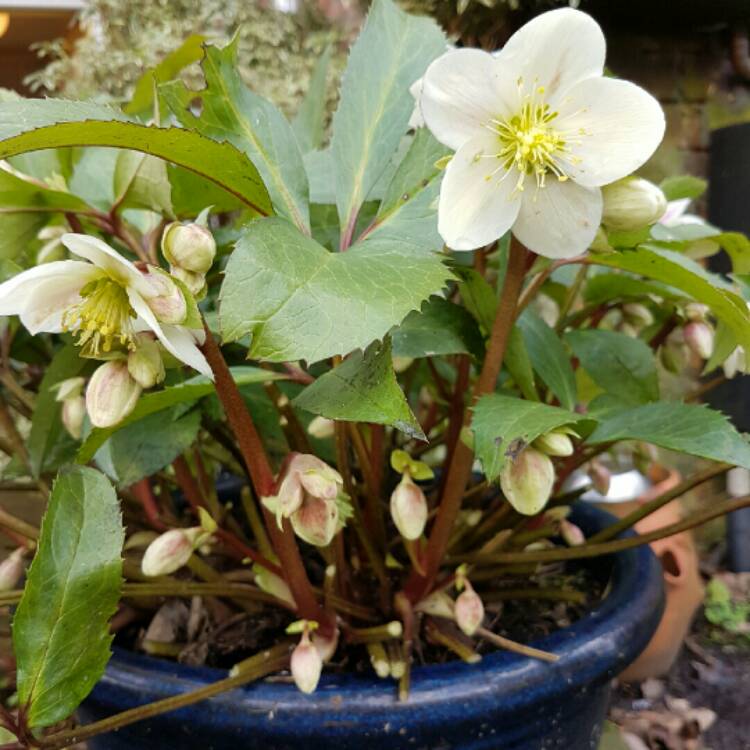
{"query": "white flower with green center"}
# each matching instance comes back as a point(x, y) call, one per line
point(104, 302)
point(537, 131)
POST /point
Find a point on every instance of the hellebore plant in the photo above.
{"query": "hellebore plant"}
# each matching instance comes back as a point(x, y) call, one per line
point(410, 415)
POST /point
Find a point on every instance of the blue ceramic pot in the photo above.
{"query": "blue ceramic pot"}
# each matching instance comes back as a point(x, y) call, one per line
point(506, 701)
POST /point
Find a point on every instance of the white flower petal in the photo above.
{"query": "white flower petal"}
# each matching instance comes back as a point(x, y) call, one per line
point(41, 294)
point(178, 341)
point(560, 219)
point(476, 206)
point(675, 212)
point(463, 90)
point(103, 256)
point(556, 50)
point(614, 126)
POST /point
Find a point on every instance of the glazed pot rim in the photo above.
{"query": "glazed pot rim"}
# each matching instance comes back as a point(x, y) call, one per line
point(592, 650)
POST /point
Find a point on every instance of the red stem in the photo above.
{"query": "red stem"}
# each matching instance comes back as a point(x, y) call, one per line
point(261, 476)
point(145, 496)
point(459, 470)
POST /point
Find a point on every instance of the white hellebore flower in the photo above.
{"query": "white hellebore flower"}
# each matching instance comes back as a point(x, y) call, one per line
point(105, 301)
point(537, 131)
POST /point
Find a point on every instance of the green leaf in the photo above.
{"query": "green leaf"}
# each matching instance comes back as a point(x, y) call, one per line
point(31, 124)
point(142, 448)
point(393, 50)
point(504, 425)
point(310, 120)
point(93, 177)
point(25, 207)
point(408, 210)
point(191, 193)
point(549, 358)
point(611, 738)
point(607, 287)
point(680, 272)
point(299, 301)
point(724, 344)
point(363, 388)
point(232, 112)
point(49, 445)
point(683, 186)
point(687, 428)
point(438, 329)
point(518, 364)
point(683, 232)
point(478, 296)
point(319, 170)
point(737, 246)
point(190, 51)
point(141, 181)
point(618, 363)
point(61, 629)
point(155, 401)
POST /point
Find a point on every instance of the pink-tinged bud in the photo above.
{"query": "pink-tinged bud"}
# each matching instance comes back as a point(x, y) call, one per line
point(305, 474)
point(409, 508)
point(696, 311)
point(571, 534)
point(735, 363)
point(469, 610)
point(600, 477)
point(164, 297)
point(111, 394)
point(189, 246)
point(555, 443)
point(145, 364)
point(326, 646)
point(73, 413)
point(317, 521)
point(12, 569)
point(194, 282)
point(527, 481)
point(321, 428)
point(699, 336)
point(171, 550)
point(306, 665)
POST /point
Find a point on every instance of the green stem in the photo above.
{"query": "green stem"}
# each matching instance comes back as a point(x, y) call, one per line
point(653, 505)
point(252, 669)
point(517, 648)
point(608, 548)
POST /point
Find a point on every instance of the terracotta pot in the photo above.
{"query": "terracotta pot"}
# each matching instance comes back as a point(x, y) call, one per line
point(682, 582)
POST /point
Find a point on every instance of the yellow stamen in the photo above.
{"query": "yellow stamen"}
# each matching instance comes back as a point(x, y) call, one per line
point(530, 144)
point(102, 319)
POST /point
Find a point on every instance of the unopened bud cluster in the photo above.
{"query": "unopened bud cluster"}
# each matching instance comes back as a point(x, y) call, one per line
point(310, 494)
point(190, 250)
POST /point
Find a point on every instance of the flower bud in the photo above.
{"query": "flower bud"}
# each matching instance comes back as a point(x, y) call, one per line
point(165, 298)
point(734, 363)
point(195, 282)
point(437, 604)
point(409, 508)
point(555, 443)
point(469, 610)
point(321, 428)
point(699, 337)
point(673, 354)
point(73, 413)
point(52, 249)
point(317, 521)
point(306, 665)
point(272, 584)
point(637, 315)
point(600, 477)
point(696, 311)
point(527, 481)
point(111, 394)
point(305, 474)
point(145, 364)
point(600, 243)
point(632, 203)
point(571, 534)
point(189, 246)
point(171, 550)
point(69, 388)
point(12, 569)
